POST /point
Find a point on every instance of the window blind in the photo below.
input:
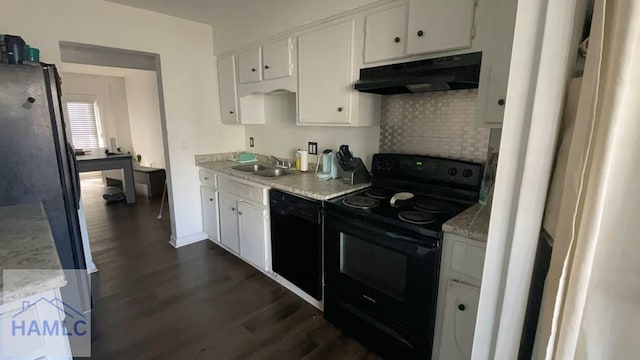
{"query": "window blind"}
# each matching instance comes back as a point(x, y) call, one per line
point(84, 128)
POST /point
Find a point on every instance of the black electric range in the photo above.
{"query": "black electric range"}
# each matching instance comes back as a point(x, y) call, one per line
point(382, 250)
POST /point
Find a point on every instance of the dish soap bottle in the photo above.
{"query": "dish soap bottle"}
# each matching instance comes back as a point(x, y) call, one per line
point(298, 160)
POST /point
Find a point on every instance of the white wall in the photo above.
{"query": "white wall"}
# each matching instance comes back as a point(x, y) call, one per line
point(144, 117)
point(111, 97)
point(241, 21)
point(281, 137)
point(188, 75)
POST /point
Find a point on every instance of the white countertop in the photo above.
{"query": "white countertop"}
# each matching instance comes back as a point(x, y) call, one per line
point(472, 223)
point(26, 243)
point(299, 183)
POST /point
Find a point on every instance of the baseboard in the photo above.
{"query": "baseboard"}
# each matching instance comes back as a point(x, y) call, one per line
point(187, 240)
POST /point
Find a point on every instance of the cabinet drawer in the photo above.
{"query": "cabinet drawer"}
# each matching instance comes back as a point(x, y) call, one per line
point(254, 194)
point(467, 259)
point(208, 178)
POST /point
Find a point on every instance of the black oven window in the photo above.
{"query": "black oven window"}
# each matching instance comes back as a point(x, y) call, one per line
point(373, 265)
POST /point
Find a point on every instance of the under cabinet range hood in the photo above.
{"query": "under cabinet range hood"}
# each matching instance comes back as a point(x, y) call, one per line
point(437, 74)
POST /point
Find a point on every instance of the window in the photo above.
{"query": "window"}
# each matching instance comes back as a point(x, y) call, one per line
point(86, 132)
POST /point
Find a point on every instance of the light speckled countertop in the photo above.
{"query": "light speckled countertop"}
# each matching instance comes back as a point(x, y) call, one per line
point(26, 243)
point(472, 223)
point(304, 184)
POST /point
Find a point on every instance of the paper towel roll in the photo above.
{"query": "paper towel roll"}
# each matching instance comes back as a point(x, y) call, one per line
point(304, 160)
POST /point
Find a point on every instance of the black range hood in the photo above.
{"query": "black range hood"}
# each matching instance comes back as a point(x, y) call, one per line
point(437, 74)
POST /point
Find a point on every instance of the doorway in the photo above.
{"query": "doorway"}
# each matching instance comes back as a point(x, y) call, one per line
point(114, 108)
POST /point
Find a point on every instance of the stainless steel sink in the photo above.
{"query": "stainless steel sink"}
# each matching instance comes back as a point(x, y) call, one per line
point(251, 167)
point(272, 172)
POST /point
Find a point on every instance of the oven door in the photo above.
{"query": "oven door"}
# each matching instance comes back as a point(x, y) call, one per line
point(387, 274)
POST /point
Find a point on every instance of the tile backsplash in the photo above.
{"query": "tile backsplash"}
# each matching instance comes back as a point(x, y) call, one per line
point(436, 123)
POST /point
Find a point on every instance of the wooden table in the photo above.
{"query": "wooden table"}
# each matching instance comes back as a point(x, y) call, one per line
point(102, 162)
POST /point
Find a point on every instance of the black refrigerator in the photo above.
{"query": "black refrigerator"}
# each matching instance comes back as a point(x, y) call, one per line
point(38, 160)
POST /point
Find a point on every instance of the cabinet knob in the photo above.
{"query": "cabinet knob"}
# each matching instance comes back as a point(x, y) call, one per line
point(397, 39)
point(239, 212)
point(231, 112)
point(253, 69)
point(420, 33)
point(501, 102)
point(340, 109)
point(210, 199)
point(266, 66)
point(233, 209)
point(461, 307)
point(206, 178)
point(31, 100)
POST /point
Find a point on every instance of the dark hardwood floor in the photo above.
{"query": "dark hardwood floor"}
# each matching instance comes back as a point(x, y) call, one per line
point(154, 301)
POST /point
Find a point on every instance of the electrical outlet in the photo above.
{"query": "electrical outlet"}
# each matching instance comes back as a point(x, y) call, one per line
point(251, 142)
point(313, 148)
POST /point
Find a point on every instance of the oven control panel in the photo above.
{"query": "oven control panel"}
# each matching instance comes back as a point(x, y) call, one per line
point(427, 168)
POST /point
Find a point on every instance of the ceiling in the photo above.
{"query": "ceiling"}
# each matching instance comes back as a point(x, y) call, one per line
point(203, 11)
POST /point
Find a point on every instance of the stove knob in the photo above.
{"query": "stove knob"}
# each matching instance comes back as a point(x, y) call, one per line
point(453, 171)
point(467, 173)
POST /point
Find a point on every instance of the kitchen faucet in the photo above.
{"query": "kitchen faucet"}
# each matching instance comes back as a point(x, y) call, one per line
point(280, 163)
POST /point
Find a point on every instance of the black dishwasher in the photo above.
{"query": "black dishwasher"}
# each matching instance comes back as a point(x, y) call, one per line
point(296, 241)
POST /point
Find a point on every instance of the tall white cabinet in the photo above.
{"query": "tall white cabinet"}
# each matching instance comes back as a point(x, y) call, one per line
point(325, 61)
point(326, 73)
point(228, 90)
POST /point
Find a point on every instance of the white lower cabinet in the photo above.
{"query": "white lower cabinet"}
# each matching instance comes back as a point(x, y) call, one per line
point(23, 320)
point(460, 310)
point(229, 233)
point(251, 222)
point(209, 200)
point(243, 212)
point(458, 295)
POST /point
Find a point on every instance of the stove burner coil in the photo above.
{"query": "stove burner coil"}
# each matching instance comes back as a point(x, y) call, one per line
point(432, 206)
point(360, 202)
point(417, 217)
point(377, 193)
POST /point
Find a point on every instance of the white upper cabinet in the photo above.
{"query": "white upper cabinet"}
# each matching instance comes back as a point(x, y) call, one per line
point(438, 25)
point(250, 66)
point(496, 59)
point(325, 64)
point(386, 35)
point(228, 89)
point(277, 59)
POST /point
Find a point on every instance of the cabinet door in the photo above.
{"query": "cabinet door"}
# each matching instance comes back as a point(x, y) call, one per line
point(252, 237)
point(276, 59)
point(386, 35)
point(496, 59)
point(249, 66)
point(437, 25)
point(228, 89)
point(209, 199)
point(229, 221)
point(325, 64)
point(461, 308)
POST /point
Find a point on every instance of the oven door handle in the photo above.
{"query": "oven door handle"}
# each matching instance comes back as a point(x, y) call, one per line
point(372, 229)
